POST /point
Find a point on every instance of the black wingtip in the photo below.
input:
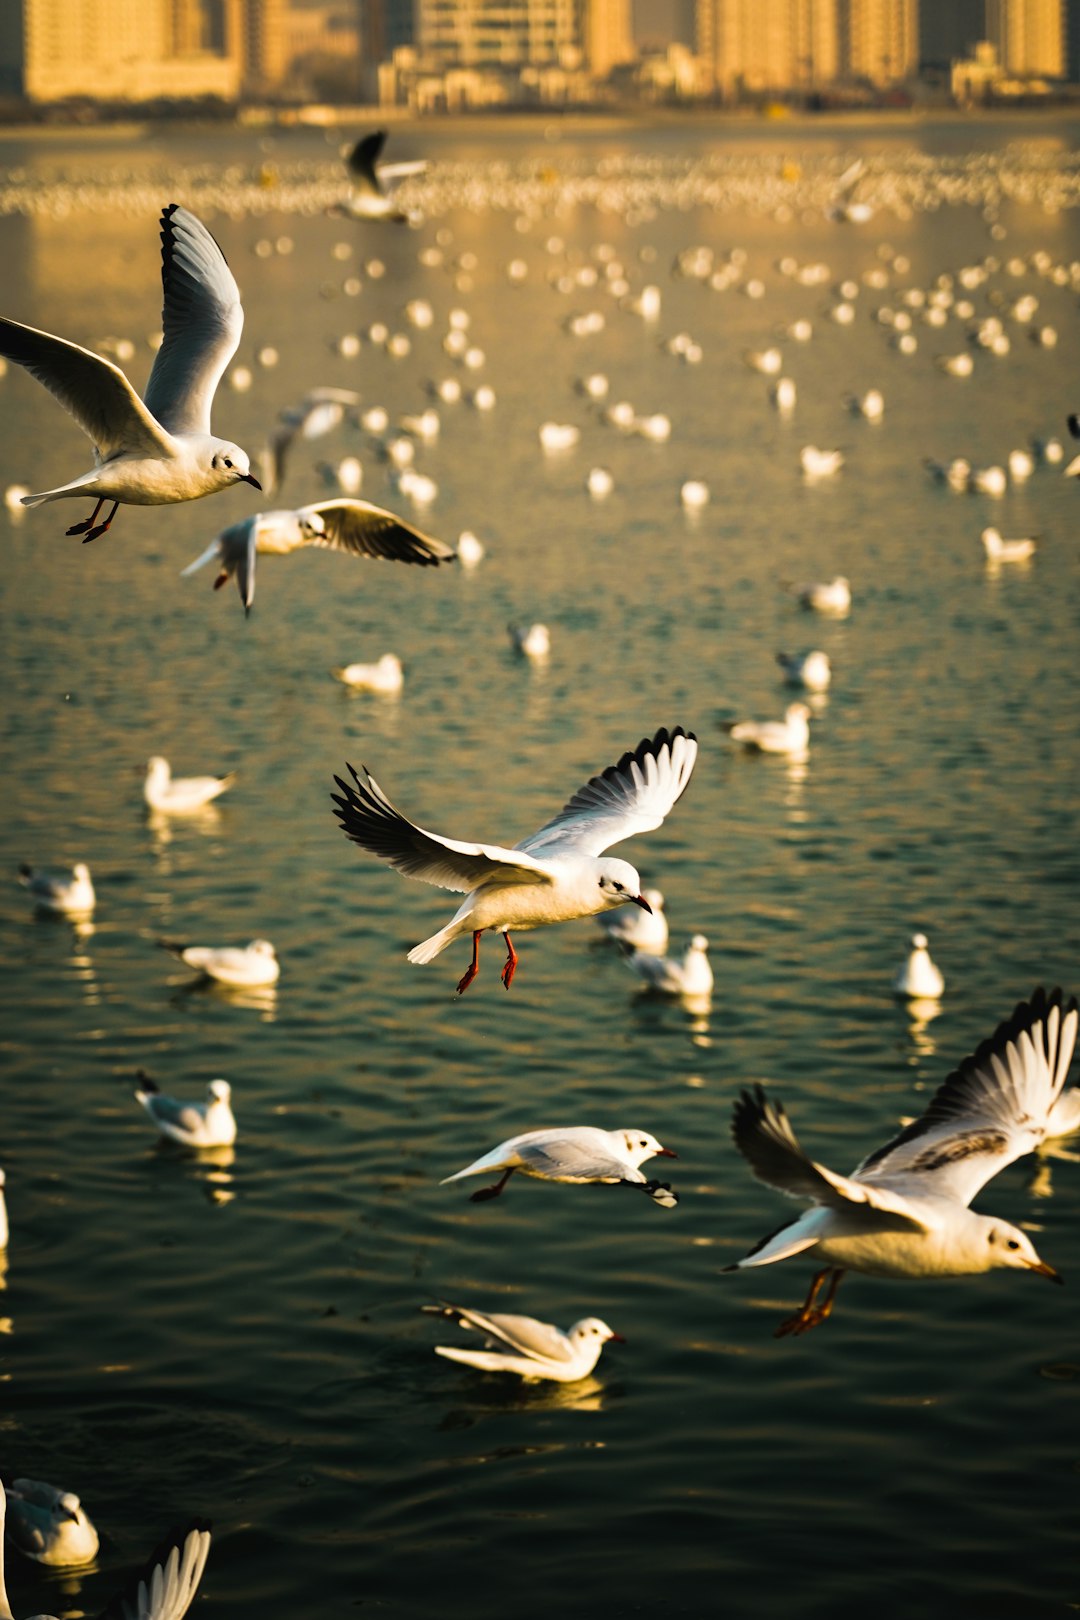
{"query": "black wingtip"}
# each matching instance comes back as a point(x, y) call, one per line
point(144, 1082)
point(1074, 426)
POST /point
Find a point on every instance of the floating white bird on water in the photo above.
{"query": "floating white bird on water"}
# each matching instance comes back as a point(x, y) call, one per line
point(955, 365)
point(157, 450)
point(817, 463)
point(522, 1345)
point(919, 977)
point(319, 412)
point(694, 494)
point(999, 550)
point(245, 967)
point(904, 1211)
point(530, 640)
point(687, 975)
point(470, 549)
point(180, 795)
point(812, 670)
point(190, 1124)
point(163, 1590)
point(50, 1526)
point(639, 930)
point(385, 676)
point(828, 596)
point(340, 524)
point(369, 198)
point(791, 735)
point(766, 361)
point(573, 1153)
point(553, 875)
point(67, 896)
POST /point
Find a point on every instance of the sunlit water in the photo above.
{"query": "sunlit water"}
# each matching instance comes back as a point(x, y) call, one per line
point(242, 1338)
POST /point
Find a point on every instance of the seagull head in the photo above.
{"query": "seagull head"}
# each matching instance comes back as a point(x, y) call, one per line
point(68, 1506)
point(219, 1091)
point(639, 1146)
point(592, 1328)
point(619, 884)
point(1007, 1246)
point(312, 524)
point(231, 465)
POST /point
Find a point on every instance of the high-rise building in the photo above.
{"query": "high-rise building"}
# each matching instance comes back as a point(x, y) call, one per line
point(1029, 35)
point(497, 33)
point(607, 39)
point(879, 40)
point(768, 44)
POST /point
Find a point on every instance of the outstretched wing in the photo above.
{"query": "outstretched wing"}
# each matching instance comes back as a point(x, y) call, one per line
point(991, 1110)
point(370, 820)
point(631, 797)
point(521, 1334)
point(202, 320)
point(165, 1587)
point(363, 157)
point(94, 391)
point(369, 531)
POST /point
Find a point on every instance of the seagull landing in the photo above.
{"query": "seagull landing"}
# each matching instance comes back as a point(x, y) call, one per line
point(554, 875)
point(156, 451)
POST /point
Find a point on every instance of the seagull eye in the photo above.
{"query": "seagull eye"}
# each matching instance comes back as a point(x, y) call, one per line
point(228, 463)
point(1013, 1243)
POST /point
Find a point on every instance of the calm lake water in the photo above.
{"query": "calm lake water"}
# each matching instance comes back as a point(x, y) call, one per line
point(242, 1339)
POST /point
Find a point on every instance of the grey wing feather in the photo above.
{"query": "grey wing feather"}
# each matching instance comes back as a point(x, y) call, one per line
point(202, 319)
point(522, 1334)
point(369, 531)
point(94, 391)
point(370, 820)
point(631, 797)
point(567, 1160)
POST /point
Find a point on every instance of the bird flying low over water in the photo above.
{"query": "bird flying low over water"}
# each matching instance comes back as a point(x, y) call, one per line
point(904, 1211)
point(554, 875)
point(338, 525)
point(369, 198)
point(157, 450)
point(522, 1345)
point(573, 1153)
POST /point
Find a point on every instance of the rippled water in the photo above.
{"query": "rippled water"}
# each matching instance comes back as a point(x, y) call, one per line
point(242, 1339)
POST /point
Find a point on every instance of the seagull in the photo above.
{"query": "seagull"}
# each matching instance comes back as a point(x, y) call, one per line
point(520, 1344)
point(688, 975)
point(573, 1153)
point(319, 412)
point(531, 641)
point(1006, 551)
point(339, 524)
point(639, 930)
point(70, 896)
point(155, 451)
point(553, 875)
point(369, 198)
point(180, 795)
point(830, 596)
point(49, 1525)
point(919, 977)
point(817, 463)
point(385, 676)
point(812, 670)
point(904, 1211)
point(163, 1590)
point(193, 1125)
point(244, 967)
point(791, 735)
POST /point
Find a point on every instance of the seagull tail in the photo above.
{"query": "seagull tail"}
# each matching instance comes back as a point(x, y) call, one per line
point(85, 481)
point(428, 949)
point(212, 551)
point(485, 1360)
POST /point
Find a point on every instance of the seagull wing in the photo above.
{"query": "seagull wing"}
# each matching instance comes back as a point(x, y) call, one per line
point(202, 320)
point(94, 391)
point(521, 1334)
point(764, 1137)
point(582, 1157)
point(370, 820)
point(991, 1110)
point(165, 1587)
point(369, 531)
point(362, 159)
point(401, 171)
point(631, 797)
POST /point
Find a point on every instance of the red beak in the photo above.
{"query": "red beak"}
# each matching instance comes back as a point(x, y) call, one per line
point(616, 1338)
point(665, 1153)
point(640, 900)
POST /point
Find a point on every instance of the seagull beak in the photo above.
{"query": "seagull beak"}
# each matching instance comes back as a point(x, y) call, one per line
point(640, 900)
point(615, 1338)
point(1047, 1271)
point(249, 478)
point(666, 1153)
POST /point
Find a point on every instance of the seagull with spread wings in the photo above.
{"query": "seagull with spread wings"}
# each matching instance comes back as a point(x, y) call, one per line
point(554, 875)
point(520, 1344)
point(369, 198)
point(904, 1211)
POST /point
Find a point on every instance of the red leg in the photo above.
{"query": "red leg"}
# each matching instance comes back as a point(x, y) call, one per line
point(92, 534)
point(222, 579)
point(474, 966)
point(485, 1193)
point(811, 1315)
point(88, 523)
point(510, 965)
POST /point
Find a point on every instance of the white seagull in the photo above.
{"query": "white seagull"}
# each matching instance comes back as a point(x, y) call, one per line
point(904, 1211)
point(69, 896)
point(811, 670)
point(194, 1125)
point(639, 930)
point(829, 596)
point(339, 524)
point(385, 676)
point(49, 1525)
point(999, 550)
point(246, 967)
point(180, 795)
point(688, 975)
point(520, 1344)
point(791, 735)
point(919, 977)
point(157, 450)
point(531, 641)
point(554, 875)
point(319, 412)
point(369, 198)
point(573, 1153)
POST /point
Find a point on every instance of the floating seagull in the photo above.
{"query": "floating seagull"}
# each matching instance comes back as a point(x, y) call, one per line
point(1006, 551)
point(552, 876)
point(688, 975)
point(639, 930)
point(791, 735)
point(318, 413)
point(385, 676)
point(163, 1590)
point(530, 640)
point(180, 795)
point(49, 1525)
point(369, 198)
point(919, 977)
point(243, 967)
point(70, 896)
point(470, 550)
point(192, 1125)
point(955, 365)
point(520, 1344)
point(573, 1153)
point(339, 524)
point(817, 463)
point(904, 1211)
point(159, 450)
point(812, 670)
point(830, 596)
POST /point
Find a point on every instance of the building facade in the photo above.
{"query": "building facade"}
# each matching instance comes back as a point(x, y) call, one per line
point(1029, 36)
point(758, 45)
point(879, 40)
point(113, 50)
